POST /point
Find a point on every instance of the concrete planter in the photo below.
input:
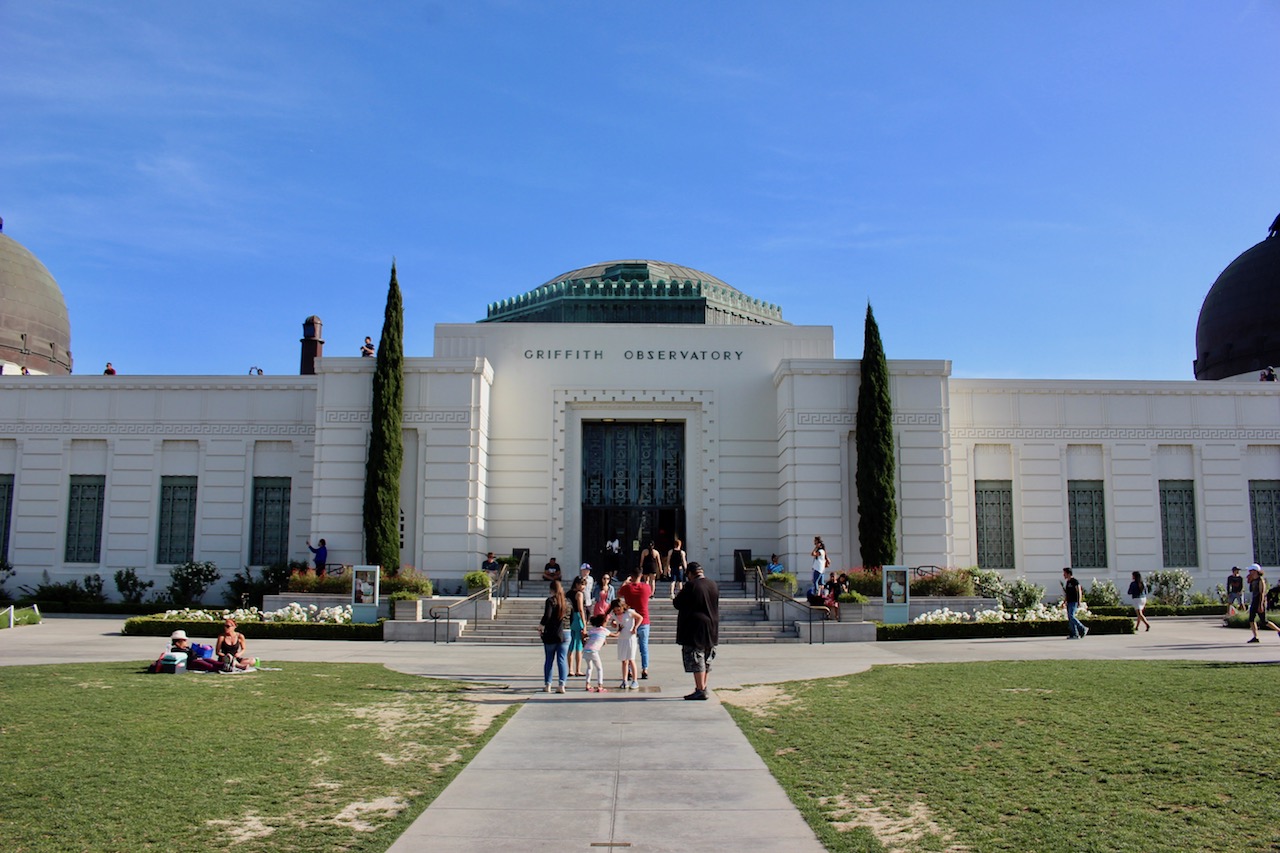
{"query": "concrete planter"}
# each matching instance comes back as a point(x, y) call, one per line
point(407, 611)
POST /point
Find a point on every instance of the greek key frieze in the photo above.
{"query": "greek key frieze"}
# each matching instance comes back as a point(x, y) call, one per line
point(1115, 434)
point(824, 418)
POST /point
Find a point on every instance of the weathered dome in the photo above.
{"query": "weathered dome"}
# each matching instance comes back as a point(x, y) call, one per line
point(35, 331)
point(1239, 327)
point(635, 291)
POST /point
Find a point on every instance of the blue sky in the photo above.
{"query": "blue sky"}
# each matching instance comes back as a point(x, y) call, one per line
point(1039, 190)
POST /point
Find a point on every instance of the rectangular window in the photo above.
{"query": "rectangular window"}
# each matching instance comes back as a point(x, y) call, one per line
point(177, 534)
point(84, 518)
point(1264, 512)
point(994, 506)
point(1087, 520)
point(270, 536)
point(1178, 523)
point(6, 512)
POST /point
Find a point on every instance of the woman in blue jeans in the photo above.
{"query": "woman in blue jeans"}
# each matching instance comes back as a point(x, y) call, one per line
point(554, 630)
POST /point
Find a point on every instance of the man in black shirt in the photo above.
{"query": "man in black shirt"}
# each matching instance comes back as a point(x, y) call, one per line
point(1071, 595)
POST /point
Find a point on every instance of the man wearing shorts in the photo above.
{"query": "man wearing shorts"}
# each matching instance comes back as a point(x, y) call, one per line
point(698, 627)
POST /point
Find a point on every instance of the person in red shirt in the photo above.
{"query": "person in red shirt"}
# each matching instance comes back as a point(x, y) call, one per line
point(637, 594)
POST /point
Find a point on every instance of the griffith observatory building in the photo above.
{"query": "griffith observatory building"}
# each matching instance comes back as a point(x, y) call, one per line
point(675, 406)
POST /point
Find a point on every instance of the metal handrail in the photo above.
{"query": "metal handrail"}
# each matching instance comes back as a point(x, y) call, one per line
point(764, 592)
point(445, 611)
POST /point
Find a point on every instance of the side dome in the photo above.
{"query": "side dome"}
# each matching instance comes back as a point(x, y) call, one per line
point(1239, 327)
point(35, 331)
point(635, 291)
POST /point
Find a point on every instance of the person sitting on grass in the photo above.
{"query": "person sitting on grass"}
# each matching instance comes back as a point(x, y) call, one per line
point(231, 649)
point(179, 644)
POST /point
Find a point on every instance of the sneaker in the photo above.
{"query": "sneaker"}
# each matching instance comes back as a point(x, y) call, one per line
point(1254, 640)
point(634, 685)
point(1084, 632)
point(697, 695)
point(622, 686)
point(560, 688)
point(547, 688)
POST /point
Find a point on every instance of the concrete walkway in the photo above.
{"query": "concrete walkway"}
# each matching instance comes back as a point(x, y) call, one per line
point(645, 770)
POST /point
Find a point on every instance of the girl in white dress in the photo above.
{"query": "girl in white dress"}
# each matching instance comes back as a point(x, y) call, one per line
point(627, 621)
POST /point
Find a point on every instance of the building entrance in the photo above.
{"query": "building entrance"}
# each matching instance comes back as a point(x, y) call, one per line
point(632, 490)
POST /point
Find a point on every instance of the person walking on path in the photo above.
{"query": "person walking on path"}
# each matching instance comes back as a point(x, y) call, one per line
point(1138, 592)
point(1235, 588)
point(1071, 596)
point(321, 556)
point(553, 628)
point(698, 627)
point(577, 626)
point(1258, 601)
point(820, 563)
point(637, 594)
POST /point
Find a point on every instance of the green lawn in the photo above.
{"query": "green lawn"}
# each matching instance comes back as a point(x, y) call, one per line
point(1028, 756)
point(314, 757)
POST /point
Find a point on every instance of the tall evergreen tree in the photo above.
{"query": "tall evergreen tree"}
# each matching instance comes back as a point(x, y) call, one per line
point(877, 500)
point(386, 442)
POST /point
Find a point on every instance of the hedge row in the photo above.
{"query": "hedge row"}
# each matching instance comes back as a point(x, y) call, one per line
point(146, 626)
point(982, 630)
point(1164, 610)
point(109, 607)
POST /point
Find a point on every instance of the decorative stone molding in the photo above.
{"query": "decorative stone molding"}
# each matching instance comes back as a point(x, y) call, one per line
point(1115, 434)
point(166, 430)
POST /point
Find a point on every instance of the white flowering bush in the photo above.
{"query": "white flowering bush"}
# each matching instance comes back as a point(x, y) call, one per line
point(340, 615)
point(1040, 612)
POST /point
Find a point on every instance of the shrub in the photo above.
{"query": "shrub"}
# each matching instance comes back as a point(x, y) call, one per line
point(409, 580)
point(476, 580)
point(1241, 620)
point(948, 582)
point(1164, 610)
point(247, 591)
point(975, 630)
point(93, 588)
point(852, 597)
point(784, 582)
point(867, 581)
point(403, 595)
point(6, 572)
point(1206, 597)
point(1021, 594)
point(1102, 594)
point(66, 592)
point(132, 589)
point(151, 626)
point(1170, 586)
point(988, 583)
point(189, 581)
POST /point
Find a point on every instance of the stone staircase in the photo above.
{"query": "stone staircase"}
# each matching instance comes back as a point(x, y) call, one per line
point(741, 620)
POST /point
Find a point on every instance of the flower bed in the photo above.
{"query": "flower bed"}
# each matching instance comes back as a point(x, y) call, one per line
point(979, 630)
point(293, 622)
point(1039, 613)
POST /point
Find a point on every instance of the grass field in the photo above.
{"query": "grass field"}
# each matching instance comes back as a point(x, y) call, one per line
point(1028, 756)
point(314, 757)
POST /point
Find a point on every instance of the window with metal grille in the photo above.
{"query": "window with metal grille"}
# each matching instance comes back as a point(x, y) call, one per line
point(1264, 512)
point(177, 535)
point(269, 539)
point(6, 512)
point(993, 503)
point(1178, 523)
point(1086, 518)
point(84, 518)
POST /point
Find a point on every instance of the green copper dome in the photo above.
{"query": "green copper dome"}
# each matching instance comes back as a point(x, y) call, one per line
point(635, 291)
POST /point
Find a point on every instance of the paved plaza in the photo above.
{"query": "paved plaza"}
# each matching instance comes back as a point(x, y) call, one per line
point(643, 771)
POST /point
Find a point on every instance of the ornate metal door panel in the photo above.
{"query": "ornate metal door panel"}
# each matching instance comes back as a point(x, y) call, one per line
point(632, 487)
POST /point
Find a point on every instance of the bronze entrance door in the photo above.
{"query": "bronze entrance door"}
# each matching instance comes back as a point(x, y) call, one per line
point(632, 490)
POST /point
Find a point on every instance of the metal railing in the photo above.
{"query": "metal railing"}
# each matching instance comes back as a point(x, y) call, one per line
point(444, 612)
point(765, 594)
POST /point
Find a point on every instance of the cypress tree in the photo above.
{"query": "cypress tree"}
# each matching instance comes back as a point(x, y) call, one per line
point(386, 442)
point(877, 501)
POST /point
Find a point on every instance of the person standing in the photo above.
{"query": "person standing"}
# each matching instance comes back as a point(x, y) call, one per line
point(676, 560)
point(553, 628)
point(1138, 592)
point(366, 349)
point(1071, 596)
point(577, 626)
point(650, 565)
point(698, 627)
point(1235, 588)
point(636, 594)
point(820, 563)
point(588, 583)
point(1258, 601)
point(111, 371)
point(321, 555)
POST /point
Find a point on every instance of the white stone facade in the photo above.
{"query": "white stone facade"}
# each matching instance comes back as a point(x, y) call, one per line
point(493, 453)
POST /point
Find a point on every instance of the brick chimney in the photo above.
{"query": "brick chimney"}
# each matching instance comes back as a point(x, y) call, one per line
point(312, 344)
